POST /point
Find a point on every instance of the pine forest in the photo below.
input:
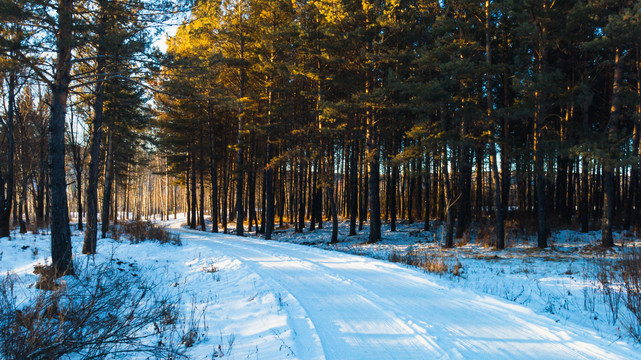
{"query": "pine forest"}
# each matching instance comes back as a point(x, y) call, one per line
point(497, 123)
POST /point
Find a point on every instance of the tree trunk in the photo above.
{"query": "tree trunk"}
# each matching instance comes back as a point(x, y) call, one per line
point(447, 187)
point(282, 176)
point(353, 188)
point(540, 108)
point(21, 222)
point(313, 195)
point(478, 198)
point(392, 197)
point(240, 215)
point(301, 196)
point(187, 190)
point(91, 233)
point(268, 174)
point(251, 196)
point(269, 197)
point(109, 175)
point(426, 194)
point(212, 170)
point(464, 182)
point(411, 184)
point(201, 181)
point(584, 211)
point(498, 204)
point(60, 233)
point(40, 192)
point(373, 181)
point(79, 198)
point(7, 179)
point(332, 204)
point(194, 195)
point(449, 213)
point(634, 179)
point(608, 166)
point(636, 220)
point(225, 192)
point(540, 195)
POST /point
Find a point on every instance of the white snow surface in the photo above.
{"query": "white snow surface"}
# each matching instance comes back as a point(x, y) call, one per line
point(278, 300)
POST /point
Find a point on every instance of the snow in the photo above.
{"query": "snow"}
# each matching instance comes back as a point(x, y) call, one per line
point(559, 282)
point(279, 300)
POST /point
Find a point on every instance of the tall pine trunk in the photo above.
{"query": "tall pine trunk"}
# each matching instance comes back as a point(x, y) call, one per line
point(91, 233)
point(240, 215)
point(392, 197)
point(201, 215)
point(225, 189)
point(608, 166)
point(332, 201)
point(426, 194)
point(212, 170)
point(194, 195)
point(498, 204)
point(353, 188)
point(60, 233)
point(373, 181)
point(268, 174)
point(539, 113)
point(40, 191)
point(7, 179)
point(448, 198)
point(633, 202)
point(79, 198)
point(107, 188)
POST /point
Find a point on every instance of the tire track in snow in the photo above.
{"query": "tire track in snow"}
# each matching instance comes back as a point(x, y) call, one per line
point(323, 258)
point(363, 308)
point(307, 342)
point(414, 337)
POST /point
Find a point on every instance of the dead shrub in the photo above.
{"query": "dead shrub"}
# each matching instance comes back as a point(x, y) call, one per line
point(115, 232)
point(465, 239)
point(46, 277)
point(139, 231)
point(101, 313)
point(526, 222)
point(619, 282)
point(631, 277)
point(224, 347)
point(195, 328)
point(211, 268)
point(486, 235)
point(426, 261)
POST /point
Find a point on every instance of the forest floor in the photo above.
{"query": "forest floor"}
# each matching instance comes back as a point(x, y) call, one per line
point(247, 298)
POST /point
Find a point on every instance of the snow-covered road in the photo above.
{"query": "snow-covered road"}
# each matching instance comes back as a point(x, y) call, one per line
point(343, 306)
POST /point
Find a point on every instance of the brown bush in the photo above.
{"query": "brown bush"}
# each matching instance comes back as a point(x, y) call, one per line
point(139, 231)
point(427, 261)
point(47, 277)
point(486, 235)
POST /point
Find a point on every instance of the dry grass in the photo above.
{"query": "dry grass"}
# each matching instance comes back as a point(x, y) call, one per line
point(211, 268)
point(619, 282)
point(433, 263)
point(46, 277)
point(101, 312)
point(138, 231)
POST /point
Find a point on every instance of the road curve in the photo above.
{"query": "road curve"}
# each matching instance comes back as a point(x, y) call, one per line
point(361, 308)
